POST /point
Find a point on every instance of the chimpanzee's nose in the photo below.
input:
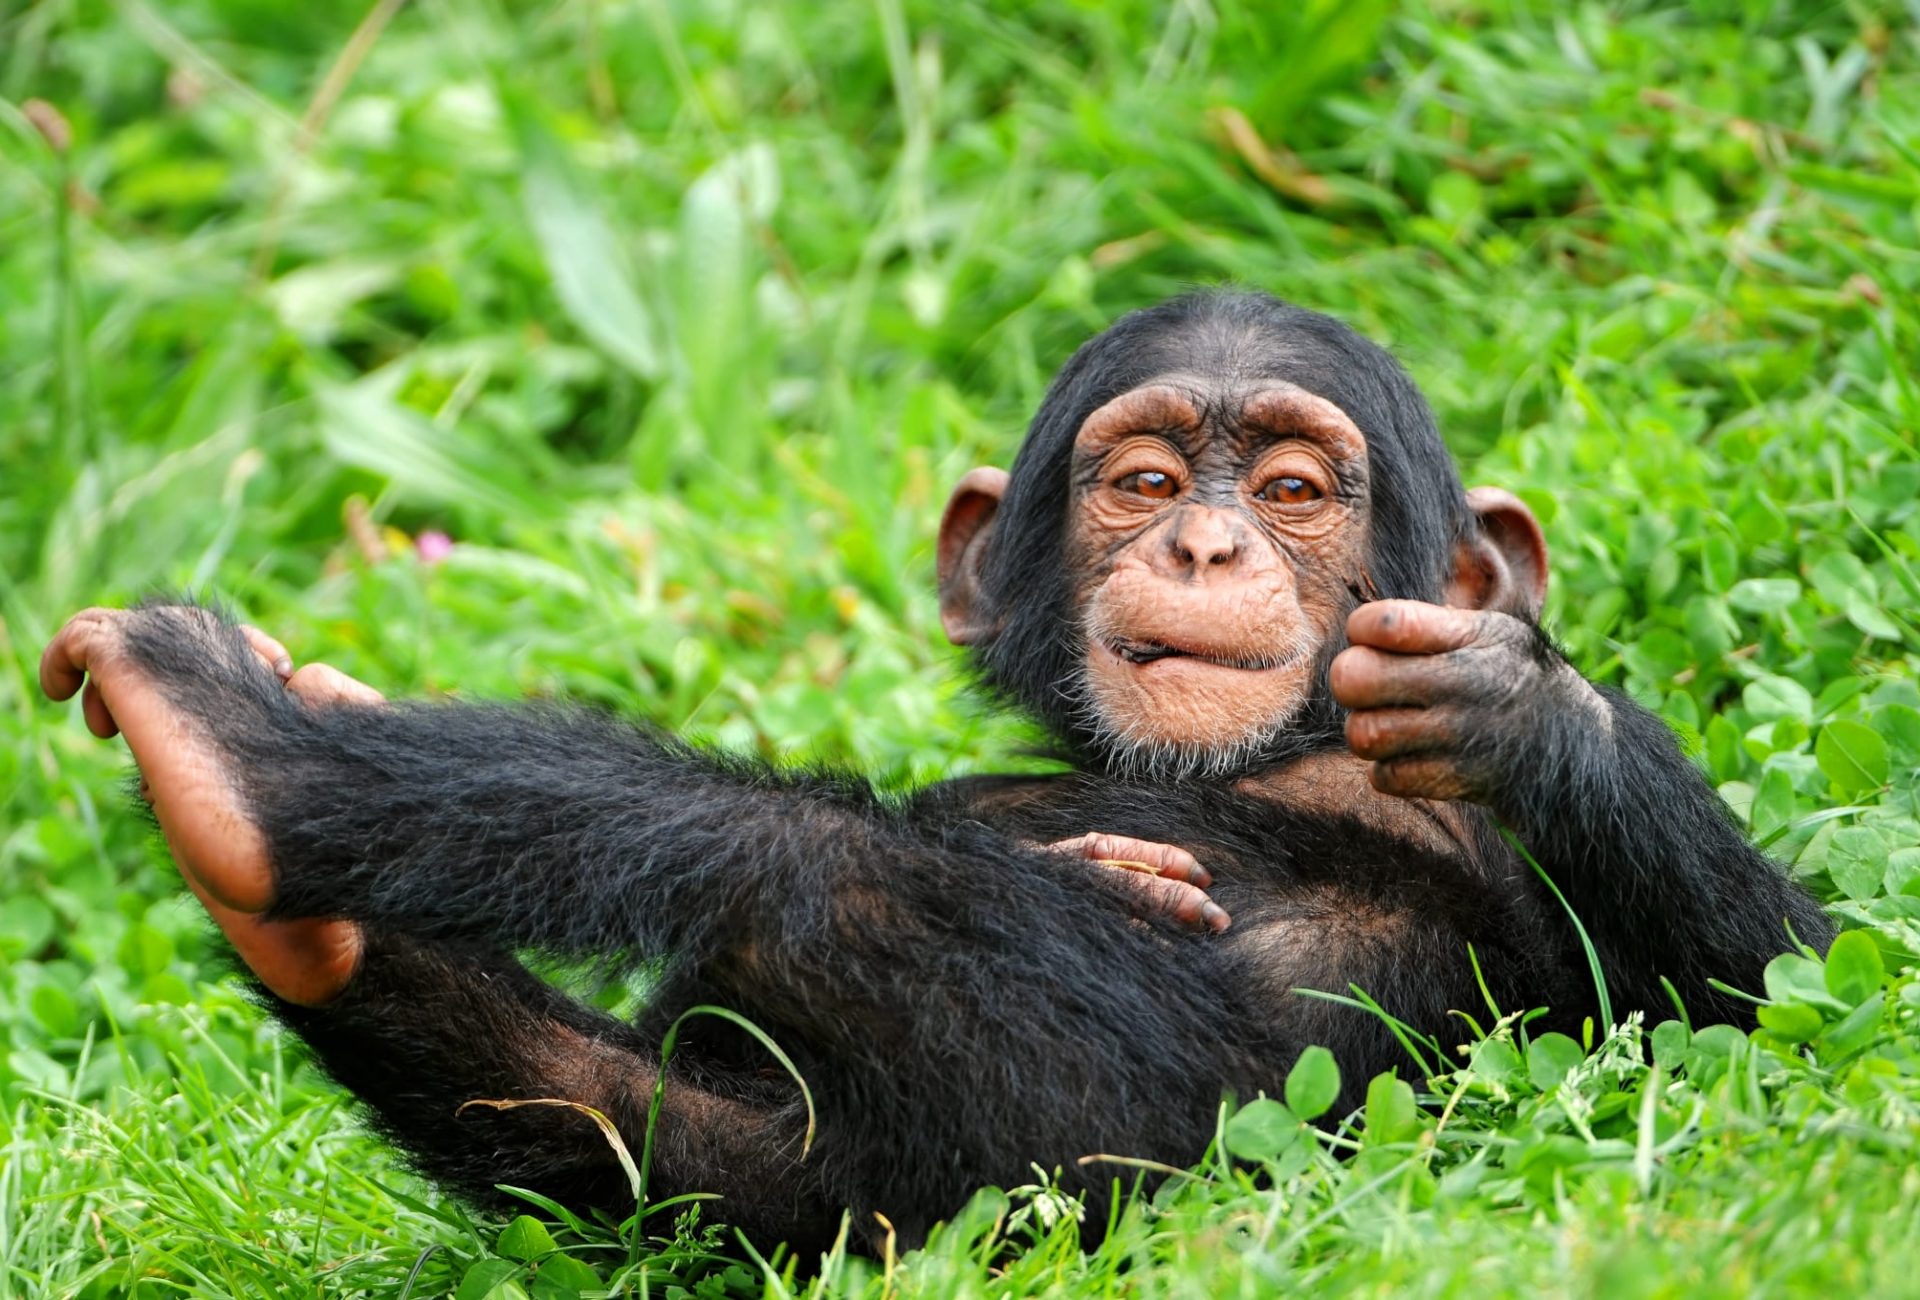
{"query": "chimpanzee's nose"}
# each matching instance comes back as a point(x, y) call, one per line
point(1203, 539)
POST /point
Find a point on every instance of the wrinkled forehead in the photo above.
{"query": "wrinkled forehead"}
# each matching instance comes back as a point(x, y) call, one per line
point(1185, 406)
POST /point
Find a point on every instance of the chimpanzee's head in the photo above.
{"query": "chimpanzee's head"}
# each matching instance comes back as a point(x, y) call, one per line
point(1208, 490)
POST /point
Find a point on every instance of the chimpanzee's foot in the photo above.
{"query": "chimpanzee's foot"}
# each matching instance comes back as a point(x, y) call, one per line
point(219, 850)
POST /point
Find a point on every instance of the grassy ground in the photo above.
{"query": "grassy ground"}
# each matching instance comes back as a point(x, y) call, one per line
point(677, 319)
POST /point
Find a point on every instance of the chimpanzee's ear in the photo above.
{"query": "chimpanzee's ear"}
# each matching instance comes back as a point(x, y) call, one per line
point(1502, 563)
point(964, 532)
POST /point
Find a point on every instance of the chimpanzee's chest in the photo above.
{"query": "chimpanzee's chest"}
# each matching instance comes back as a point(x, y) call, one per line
point(1314, 835)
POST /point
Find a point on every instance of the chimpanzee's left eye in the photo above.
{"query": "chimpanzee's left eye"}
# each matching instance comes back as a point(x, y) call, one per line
point(1289, 490)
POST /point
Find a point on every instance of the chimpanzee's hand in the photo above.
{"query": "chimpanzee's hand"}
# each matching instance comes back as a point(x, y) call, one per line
point(1168, 880)
point(1455, 703)
point(219, 850)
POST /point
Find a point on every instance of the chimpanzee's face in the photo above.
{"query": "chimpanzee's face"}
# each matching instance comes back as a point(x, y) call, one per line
point(1217, 536)
point(1165, 575)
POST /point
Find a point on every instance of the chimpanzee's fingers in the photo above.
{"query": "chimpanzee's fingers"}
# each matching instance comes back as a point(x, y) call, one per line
point(1364, 678)
point(93, 707)
point(65, 661)
point(1413, 627)
point(1162, 859)
point(323, 684)
point(1389, 733)
point(1187, 904)
point(1421, 778)
point(271, 652)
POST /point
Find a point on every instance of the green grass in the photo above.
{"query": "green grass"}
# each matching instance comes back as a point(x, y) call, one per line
point(679, 318)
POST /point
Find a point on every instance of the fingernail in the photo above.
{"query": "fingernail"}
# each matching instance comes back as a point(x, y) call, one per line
point(1215, 916)
point(1202, 877)
point(283, 668)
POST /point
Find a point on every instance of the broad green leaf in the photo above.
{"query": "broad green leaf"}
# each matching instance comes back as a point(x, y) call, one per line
point(1867, 615)
point(1772, 697)
point(1772, 803)
point(1793, 1022)
point(1841, 574)
point(1495, 1060)
point(1724, 754)
point(1857, 860)
point(1838, 692)
point(1663, 574)
point(1392, 1115)
point(1670, 1040)
point(1718, 1042)
point(1658, 655)
point(1853, 756)
point(1854, 970)
point(312, 300)
point(145, 950)
point(562, 1277)
point(525, 1239)
point(485, 1278)
point(714, 309)
point(1540, 1156)
point(1788, 735)
point(1599, 614)
point(55, 1009)
point(1261, 1130)
point(1899, 725)
point(362, 428)
point(1791, 977)
point(26, 923)
point(1891, 487)
point(1763, 595)
point(1855, 1030)
point(1903, 871)
point(165, 986)
point(589, 267)
point(1711, 629)
point(1719, 562)
point(1313, 1084)
point(1550, 1058)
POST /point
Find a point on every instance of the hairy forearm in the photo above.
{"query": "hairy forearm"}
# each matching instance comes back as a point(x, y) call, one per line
point(517, 825)
point(1651, 859)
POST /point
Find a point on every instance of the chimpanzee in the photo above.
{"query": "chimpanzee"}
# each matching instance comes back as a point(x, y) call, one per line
point(1235, 573)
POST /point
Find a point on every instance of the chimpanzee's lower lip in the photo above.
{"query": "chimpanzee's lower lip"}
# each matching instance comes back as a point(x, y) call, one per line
point(1141, 653)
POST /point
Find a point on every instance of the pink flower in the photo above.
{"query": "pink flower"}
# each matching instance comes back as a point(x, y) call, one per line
point(432, 546)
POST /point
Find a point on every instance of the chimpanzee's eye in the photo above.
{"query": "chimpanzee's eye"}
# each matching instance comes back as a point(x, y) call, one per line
point(1289, 490)
point(1149, 483)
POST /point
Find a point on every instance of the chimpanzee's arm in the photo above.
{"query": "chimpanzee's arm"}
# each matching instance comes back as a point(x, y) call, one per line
point(1652, 861)
point(1459, 704)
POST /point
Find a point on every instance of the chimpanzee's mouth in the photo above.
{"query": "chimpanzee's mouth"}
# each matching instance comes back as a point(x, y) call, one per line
point(1151, 652)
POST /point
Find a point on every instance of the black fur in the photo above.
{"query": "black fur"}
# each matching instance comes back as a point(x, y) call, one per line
point(961, 1004)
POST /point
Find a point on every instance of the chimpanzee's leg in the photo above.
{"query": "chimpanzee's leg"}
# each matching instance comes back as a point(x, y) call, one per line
point(429, 1035)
